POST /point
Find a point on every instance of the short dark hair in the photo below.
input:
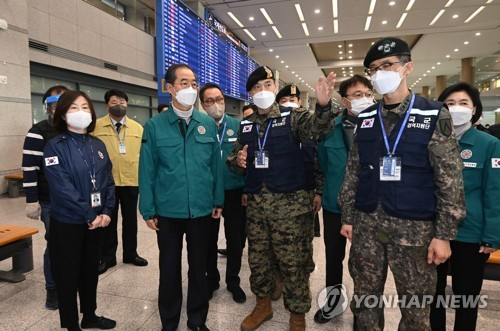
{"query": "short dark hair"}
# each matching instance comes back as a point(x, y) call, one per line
point(115, 92)
point(354, 80)
point(249, 106)
point(62, 107)
point(160, 107)
point(170, 75)
point(56, 88)
point(206, 87)
point(471, 91)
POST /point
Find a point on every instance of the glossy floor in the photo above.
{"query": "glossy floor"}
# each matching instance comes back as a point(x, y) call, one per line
point(128, 294)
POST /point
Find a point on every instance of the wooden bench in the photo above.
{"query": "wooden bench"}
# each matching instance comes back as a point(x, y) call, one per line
point(15, 183)
point(16, 242)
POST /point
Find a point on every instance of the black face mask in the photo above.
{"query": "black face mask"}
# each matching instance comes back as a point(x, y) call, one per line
point(118, 110)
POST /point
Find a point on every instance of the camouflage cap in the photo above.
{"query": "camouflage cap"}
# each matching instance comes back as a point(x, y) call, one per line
point(260, 73)
point(289, 90)
point(386, 47)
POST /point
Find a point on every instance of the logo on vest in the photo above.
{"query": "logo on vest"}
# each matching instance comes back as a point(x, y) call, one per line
point(230, 132)
point(201, 129)
point(247, 128)
point(279, 122)
point(367, 123)
point(425, 125)
point(466, 154)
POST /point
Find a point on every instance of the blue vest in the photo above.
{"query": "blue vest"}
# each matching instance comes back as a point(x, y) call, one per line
point(286, 161)
point(413, 196)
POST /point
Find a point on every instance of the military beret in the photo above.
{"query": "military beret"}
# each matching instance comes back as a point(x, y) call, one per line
point(289, 90)
point(386, 47)
point(260, 73)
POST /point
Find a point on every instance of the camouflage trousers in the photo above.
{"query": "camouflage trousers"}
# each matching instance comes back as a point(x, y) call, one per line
point(288, 240)
point(372, 251)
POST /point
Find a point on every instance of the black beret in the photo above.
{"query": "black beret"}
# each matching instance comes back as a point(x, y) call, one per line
point(386, 47)
point(260, 73)
point(289, 90)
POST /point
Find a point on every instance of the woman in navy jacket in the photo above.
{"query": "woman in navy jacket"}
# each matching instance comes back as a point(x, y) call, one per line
point(78, 171)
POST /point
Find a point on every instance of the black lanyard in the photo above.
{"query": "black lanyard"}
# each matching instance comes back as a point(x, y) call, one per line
point(91, 173)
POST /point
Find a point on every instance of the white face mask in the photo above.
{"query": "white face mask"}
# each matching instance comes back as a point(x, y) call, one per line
point(386, 81)
point(460, 115)
point(358, 105)
point(264, 99)
point(79, 120)
point(290, 104)
point(187, 97)
point(215, 111)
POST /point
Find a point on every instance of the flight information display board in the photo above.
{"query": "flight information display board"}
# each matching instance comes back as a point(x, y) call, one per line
point(184, 37)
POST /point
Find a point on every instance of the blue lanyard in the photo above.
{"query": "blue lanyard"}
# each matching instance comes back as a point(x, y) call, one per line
point(401, 129)
point(92, 174)
point(223, 133)
point(262, 144)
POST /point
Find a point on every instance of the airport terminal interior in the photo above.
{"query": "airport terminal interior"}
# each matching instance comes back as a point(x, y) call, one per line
point(96, 45)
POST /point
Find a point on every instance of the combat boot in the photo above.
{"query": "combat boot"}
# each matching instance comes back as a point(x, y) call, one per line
point(262, 312)
point(297, 322)
point(278, 286)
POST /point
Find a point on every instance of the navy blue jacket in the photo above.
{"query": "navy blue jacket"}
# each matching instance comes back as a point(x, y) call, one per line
point(69, 177)
point(413, 196)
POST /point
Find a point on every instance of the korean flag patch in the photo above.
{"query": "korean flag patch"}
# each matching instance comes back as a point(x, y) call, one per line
point(50, 161)
point(495, 163)
point(367, 123)
point(247, 128)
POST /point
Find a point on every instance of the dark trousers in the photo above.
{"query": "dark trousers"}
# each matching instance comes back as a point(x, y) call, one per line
point(170, 241)
point(126, 197)
point(234, 230)
point(74, 260)
point(334, 247)
point(467, 272)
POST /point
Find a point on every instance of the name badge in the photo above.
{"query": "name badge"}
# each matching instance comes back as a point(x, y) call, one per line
point(121, 148)
point(95, 199)
point(390, 168)
point(261, 159)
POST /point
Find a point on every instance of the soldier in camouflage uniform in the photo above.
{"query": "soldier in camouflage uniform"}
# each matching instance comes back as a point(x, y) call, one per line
point(401, 202)
point(278, 210)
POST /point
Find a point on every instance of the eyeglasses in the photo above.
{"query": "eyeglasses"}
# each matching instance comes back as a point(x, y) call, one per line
point(210, 102)
point(359, 94)
point(186, 85)
point(384, 66)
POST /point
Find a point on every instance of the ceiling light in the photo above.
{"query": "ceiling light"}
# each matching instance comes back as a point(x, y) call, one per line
point(420, 79)
point(448, 55)
point(317, 11)
point(296, 75)
point(350, 57)
point(466, 43)
point(335, 26)
point(271, 50)
point(277, 32)
point(455, 50)
point(367, 24)
point(320, 28)
point(350, 68)
point(372, 7)
point(350, 45)
point(474, 14)
point(335, 8)
point(489, 1)
point(262, 33)
point(448, 3)
point(401, 20)
point(384, 22)
point(455, 16)
point(410, 4)
point(249, 34)
point(264, 12)
point(235, 19)
point(433, 68)
point(299, 12)
point(340, 52)
point(478, 33)
point(350, 52)
point(392, 3)
point(341, 57)
point(439, 63)
point(282, 61)
point(286, 66)
point(251, 18)
point(339, 45)
point(343, 68)
point(293, 72)
point(437, 17)
point(277, 56)
point(428, 71)
point(306, 31)
point(425, 75)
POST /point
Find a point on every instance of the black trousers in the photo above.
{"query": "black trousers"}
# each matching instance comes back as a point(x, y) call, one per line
point(234, 229)
point(74, 260)
point(126, 197)
point(170, 241)
point(467, 272)
point(334, 247)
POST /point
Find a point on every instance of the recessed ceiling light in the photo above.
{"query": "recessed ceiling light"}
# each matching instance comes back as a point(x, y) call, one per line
point(455, 16)
point(384, 22)
point(478, 33)
point(428, 71)
point(271, 50)
point(448, 55)
point(350, 52)
point(320, 28)
point(264, 12)
point(433, 68)
point(350, 45)
point(262, 33)
point(455, 50)
point(293, 72)
point(296, 75)
point(277, 56)
point(340, 52)
point(425, 75)
point(350, 57)
point(439, 63)
point(282, 61)
point(317, 11)
point(251, 18)
point(420, 78)
point(392, 3)
point(466, 43)
point(235, 19)
point(286, 66)
point(249, 34)
point(345, 75)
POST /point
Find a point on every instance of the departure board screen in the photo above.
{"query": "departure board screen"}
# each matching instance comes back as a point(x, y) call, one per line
point(184, 37)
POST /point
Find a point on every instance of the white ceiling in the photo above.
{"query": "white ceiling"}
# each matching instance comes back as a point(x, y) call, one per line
point(435, 43)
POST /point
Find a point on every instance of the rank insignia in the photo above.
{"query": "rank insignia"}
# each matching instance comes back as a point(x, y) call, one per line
point(445, 126)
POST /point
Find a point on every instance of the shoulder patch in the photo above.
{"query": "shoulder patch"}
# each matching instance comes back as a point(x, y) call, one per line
point(445, 126)
point(50, 161)
point(495, 162)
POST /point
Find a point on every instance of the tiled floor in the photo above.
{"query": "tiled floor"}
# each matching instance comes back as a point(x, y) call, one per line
point(128, 294)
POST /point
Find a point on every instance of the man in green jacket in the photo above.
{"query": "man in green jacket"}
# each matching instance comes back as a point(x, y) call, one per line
point(181, 189)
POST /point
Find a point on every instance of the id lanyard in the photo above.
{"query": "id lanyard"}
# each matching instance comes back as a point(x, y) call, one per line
point(121, 142)
point(401, 129)
point(91, 173)
point(221, 138)
point(263, 143)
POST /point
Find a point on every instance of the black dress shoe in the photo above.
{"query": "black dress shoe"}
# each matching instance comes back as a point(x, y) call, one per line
point(238, 295)
point(137, 261)
point(320, 319)
point(104, 266)
point(102, 323)
point(222, 252)
point(211, 289)
point(198, 328)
